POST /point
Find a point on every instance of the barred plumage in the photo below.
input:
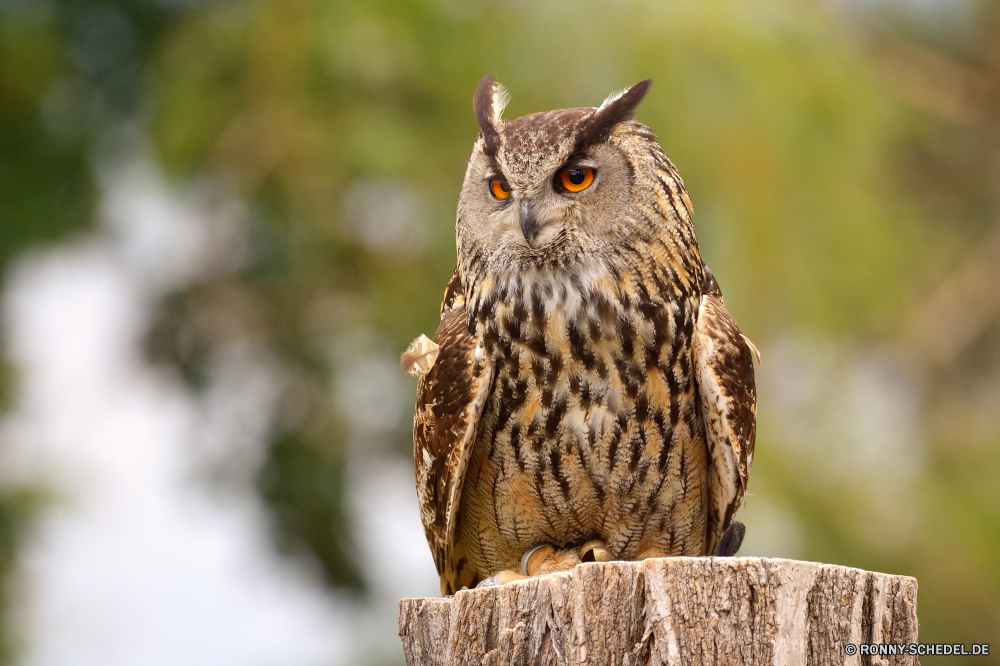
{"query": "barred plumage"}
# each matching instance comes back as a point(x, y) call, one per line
point(590, 386)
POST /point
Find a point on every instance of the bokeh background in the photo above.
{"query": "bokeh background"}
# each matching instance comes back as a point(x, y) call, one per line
point(222, 220)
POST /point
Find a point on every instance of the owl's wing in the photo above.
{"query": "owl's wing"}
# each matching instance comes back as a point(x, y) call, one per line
point(723, 363)
point(450, 399)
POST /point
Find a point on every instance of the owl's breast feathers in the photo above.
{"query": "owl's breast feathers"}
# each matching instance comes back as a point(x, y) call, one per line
point(628, 382)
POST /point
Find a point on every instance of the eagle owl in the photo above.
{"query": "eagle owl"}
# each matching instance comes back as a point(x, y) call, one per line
point(586, 396)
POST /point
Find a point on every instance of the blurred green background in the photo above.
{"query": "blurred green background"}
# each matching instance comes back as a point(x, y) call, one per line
point(843, 158)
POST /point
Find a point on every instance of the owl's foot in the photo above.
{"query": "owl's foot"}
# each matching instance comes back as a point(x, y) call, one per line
point(546, 559)
point(501, 578)
point(594, 550)
point(536, 561)
point(731, 540)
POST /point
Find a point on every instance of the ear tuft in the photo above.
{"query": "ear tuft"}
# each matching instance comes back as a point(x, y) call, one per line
point(487, 105)
point(610, 99)
point(501, 98)
point(617, 108)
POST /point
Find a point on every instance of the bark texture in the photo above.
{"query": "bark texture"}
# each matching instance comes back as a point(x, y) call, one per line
point(678, 610)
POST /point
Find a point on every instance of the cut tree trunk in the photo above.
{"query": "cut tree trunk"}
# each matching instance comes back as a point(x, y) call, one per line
point(678, 610)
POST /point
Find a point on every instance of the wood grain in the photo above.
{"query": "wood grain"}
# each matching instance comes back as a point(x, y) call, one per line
point(678, 610)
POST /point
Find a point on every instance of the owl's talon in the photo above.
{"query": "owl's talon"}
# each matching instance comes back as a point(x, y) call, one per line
point(533, 558)
point(487, 582)
point(546, 559)
point(501, 578)
point(595, 550)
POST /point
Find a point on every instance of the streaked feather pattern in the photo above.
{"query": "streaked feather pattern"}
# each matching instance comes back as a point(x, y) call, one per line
point(588, 385)
point(725, 375)
point(449, 400)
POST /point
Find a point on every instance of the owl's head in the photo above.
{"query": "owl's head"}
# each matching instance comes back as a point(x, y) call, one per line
point(559, 187)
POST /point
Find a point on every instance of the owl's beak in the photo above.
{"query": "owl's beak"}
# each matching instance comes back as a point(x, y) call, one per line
point(529, 224)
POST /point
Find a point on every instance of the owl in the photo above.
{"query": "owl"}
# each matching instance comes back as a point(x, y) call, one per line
point(587, 396)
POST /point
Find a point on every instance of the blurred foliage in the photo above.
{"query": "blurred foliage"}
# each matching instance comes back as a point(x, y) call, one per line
point(68, 69)
point(64, 73)
point(8, 384)
point(306, 492)
point(18, 508)
point(843, 164)
point(44, 186)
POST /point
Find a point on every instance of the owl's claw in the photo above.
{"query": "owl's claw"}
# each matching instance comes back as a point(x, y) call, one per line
point(501, 578)
point(731, 540)
point(595, 550)
point(545, 559)
point(541, 559)
point(533, 557)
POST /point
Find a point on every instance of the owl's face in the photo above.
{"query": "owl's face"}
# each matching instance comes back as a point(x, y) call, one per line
point(536, 192)
point(555, 187)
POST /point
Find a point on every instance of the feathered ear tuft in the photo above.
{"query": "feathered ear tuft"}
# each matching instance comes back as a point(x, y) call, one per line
point(501, 98)
point(487, 104)
point(616, 108)
point(610, 99)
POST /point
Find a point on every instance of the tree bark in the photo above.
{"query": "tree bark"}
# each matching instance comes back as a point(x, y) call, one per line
point(678, 610)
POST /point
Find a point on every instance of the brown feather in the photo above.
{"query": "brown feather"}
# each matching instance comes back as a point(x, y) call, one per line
point(449, 400)
point(482, 108)
point(725, 375)
point(611, 113)
point(590, 385)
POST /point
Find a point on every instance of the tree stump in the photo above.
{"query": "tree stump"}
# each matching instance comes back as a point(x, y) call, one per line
point(677, 610)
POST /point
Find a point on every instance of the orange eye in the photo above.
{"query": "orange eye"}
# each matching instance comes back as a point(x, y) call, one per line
point(576, 179)
point(500, 188)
